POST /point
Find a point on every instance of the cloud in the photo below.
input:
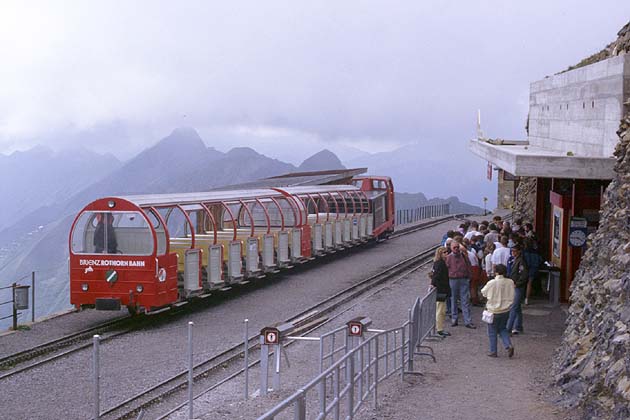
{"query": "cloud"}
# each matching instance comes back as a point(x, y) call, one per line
point(119, 75)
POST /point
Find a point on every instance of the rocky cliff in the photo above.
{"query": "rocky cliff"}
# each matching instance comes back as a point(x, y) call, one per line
point(525, 199)
point(592, 365)
point(620, 46)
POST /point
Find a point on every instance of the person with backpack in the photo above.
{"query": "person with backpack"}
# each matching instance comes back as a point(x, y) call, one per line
point(439, 280)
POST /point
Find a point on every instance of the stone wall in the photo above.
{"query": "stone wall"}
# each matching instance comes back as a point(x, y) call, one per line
point(525, 203)
point(592, 365)
point(505, 192)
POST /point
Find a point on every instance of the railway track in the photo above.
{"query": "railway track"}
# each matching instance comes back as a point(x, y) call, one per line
point(306, 321)
point(74, 339)
point(68, 344)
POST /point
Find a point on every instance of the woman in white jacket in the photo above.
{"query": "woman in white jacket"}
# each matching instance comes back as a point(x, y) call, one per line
point(500, 294)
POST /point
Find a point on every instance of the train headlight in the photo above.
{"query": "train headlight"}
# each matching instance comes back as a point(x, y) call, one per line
point(162, 275)
point(84, 287)
point(139, 288)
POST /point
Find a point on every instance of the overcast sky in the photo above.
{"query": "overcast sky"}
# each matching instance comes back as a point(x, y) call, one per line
point(116, 76)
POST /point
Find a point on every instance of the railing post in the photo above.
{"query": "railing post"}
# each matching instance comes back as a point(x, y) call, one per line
point(97, 376)
point(350, 374)
point(190, 370)
point(276, 371)
point(264, 367)
point(33, 296)
point(321, 355)
point(387, 353)
point(321, 389)
point(14, 285)
point(246, 345)
point(362, 373)
point(411, 345)
point(300, 407)
point(376, 372)
point(336, 390)
point(402, 354)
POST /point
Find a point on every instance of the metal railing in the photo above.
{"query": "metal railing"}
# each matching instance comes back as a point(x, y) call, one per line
point(405, 216)
point(341, 389)
point(19, 301)
point(16, 311)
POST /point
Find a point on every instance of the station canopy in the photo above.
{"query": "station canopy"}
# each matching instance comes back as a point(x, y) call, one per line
point(520, 158)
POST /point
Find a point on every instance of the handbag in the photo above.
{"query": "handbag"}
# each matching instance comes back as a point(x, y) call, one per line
point(487, 317)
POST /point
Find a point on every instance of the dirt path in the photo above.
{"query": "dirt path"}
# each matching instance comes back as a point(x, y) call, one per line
point(467, 384)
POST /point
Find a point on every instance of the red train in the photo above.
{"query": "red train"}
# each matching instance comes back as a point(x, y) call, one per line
point(148, 252)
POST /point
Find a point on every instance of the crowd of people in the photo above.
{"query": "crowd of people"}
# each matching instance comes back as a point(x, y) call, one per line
point(492, 263)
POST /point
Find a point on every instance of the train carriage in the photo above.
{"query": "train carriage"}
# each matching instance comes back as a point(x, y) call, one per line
point(147, 252)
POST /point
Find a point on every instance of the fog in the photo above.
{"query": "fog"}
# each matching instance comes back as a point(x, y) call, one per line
point(286, 78)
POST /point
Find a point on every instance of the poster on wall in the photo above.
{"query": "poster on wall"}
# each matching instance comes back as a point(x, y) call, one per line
point(557, 224)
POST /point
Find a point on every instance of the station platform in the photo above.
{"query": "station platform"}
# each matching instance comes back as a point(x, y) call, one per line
point(465, 383)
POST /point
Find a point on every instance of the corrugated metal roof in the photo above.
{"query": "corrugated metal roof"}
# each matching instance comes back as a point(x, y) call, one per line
point(199, 197)
point(298, 179)
point(293, 183)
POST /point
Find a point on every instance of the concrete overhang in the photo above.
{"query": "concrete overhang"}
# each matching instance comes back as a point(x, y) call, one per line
point(527, 160)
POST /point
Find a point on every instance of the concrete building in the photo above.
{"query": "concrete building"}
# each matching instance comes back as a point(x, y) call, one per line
point(572, 124)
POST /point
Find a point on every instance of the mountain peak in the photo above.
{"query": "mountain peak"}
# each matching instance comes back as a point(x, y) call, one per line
point(322, 160)
point(181, 138)
point(243, 152)
point(184, 133)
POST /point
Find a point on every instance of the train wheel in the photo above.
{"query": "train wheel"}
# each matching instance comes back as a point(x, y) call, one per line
point(132, 309)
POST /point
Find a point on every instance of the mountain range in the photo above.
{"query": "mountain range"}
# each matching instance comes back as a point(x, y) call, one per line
point(41, 203)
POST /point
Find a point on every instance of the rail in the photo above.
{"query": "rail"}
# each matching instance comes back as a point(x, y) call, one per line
point(406, 216)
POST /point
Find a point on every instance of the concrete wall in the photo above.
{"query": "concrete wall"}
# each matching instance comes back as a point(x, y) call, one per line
point(579, 110)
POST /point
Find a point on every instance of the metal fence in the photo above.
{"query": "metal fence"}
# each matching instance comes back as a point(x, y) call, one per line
point(18, 301)
point(18, 297)
point(354, 378)
point(405, 216)
point(351, 367)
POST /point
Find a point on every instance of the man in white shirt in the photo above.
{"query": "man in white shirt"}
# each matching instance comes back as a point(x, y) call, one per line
point(501, 254)
point(474, 231)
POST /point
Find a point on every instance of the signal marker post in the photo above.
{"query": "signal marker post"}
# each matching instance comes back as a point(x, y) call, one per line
point(271, 336)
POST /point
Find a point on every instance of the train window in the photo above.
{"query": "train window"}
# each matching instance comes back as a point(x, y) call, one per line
point(159, 231)
point(258, 214)
point(175, 222)
point(125, 233)
point(275, 217)
point(228, 221)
